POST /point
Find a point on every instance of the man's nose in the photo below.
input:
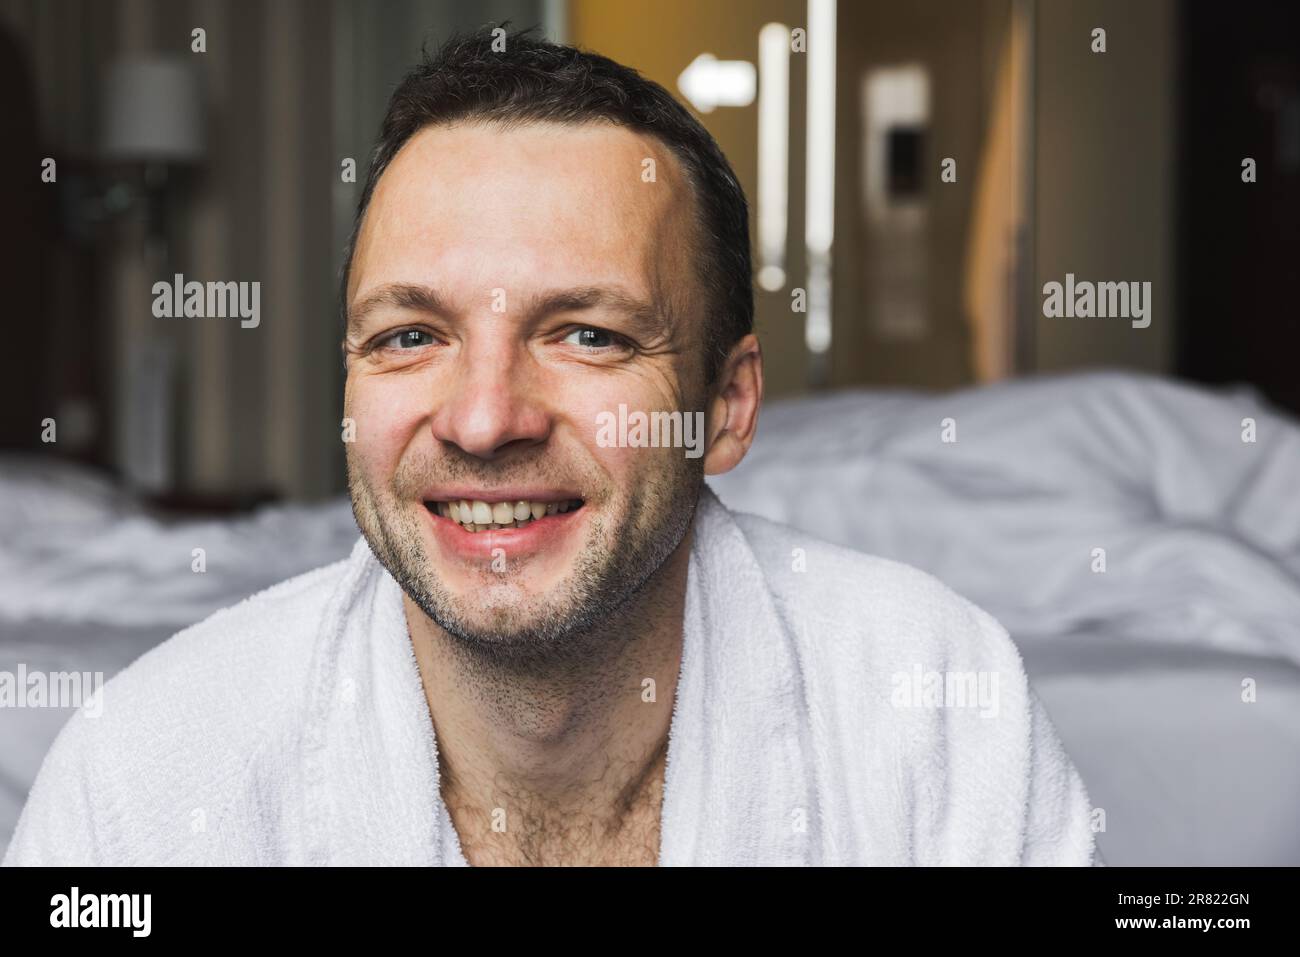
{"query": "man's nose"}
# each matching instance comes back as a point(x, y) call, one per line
point(491, 405)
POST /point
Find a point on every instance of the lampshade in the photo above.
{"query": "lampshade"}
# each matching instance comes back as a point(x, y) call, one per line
point(152, 110)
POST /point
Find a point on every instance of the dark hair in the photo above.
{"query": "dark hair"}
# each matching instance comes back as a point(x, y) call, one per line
point(535, 80)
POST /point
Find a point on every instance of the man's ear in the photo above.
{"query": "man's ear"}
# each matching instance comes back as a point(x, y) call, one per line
point(733, 406)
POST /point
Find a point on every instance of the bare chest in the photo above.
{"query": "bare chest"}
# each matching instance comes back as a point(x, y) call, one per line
point(517, 834)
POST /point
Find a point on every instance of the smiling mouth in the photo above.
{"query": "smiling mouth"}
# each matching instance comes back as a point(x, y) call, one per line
point(478, 515)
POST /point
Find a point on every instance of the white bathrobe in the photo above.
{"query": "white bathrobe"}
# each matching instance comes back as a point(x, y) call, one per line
point(292, 728)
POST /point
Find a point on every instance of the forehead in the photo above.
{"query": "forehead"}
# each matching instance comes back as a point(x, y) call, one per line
point(476, 207)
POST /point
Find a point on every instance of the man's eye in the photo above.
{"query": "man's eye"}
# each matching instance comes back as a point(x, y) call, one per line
point(409, 339)
point(592, 338)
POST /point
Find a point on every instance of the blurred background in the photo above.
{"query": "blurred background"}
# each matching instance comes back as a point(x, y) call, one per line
point(917, 171)
point(1120, 165)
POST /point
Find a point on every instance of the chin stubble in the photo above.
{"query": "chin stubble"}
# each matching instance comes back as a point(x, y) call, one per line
point(582, 621)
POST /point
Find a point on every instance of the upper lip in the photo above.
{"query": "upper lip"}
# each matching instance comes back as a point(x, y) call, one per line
point(516, 494)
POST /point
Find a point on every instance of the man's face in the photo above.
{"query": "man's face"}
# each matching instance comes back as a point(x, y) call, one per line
point(488, 395)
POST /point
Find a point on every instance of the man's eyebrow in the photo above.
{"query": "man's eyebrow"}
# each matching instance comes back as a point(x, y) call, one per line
point(646, 316)
point(398, 295)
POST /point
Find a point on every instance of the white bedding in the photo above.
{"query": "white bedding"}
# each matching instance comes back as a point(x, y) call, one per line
point(1201, 531)
point(75, 551)
point(1187, 773)
point(1140, 667)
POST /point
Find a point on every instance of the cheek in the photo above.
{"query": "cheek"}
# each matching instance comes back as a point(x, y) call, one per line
point(385, 415)
point(582, 408)
point(625, 465)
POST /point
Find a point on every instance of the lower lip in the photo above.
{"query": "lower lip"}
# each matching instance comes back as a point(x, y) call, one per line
point(537, 535)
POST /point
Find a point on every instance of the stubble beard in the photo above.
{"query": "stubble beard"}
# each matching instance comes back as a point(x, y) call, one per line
point(584, 619)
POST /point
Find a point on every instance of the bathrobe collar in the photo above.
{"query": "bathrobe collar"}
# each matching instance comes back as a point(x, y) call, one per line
point(737, 788)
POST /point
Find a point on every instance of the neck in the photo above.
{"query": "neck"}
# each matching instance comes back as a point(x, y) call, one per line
point(526, 753)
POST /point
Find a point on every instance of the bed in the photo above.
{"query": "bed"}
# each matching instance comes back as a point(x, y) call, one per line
point(1169, 661)
point(1142, 665)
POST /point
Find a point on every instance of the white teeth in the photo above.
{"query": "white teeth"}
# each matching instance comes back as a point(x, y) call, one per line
point(478, 515)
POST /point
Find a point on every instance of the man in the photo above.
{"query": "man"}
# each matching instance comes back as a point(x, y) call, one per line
point(550, 647)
